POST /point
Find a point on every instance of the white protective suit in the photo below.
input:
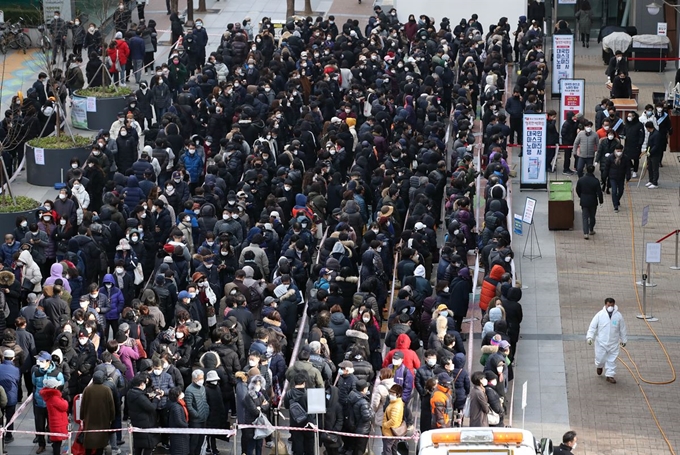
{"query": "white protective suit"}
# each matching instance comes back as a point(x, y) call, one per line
point(607, 332)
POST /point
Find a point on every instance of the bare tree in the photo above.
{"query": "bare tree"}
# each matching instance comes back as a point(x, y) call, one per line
point(290, 8)
point(201, 6)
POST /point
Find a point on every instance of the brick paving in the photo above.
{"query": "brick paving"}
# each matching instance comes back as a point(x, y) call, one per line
point(614, 419)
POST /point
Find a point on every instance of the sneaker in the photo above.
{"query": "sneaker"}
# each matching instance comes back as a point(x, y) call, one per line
point(122, 84)
point(647, 184)
point(568, 172)
point(268, 444)
point(592, 232)
point(652, 186)
point(633, 175)
point(616, 210)
point(585, 236)
point(115, 451)
point(611, 380)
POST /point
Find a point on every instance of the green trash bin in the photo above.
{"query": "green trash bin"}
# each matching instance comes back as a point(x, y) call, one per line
point(560, 205)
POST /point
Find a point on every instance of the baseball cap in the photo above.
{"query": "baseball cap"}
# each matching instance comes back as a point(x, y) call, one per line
point(44, 356)
point(398, 355)
point(504, 345)
point(346, 364)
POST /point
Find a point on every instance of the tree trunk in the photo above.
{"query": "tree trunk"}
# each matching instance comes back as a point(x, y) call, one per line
point(190, 10)
point(201, 6)
point(290, 8)
point(308, 7)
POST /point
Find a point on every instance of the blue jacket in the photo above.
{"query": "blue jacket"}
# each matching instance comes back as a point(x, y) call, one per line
point(200, 37)
point(137, 48)
point(38, 376)
point(514, 107)
point(116, 299)
point(7, 251)
point(9, 380)
point(132, 194)
point(194, 166)
point(139, 167)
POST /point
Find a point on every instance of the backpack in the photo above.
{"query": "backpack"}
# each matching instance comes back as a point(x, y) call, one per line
point(297, 413)
point(78, 259)
point(359, 299)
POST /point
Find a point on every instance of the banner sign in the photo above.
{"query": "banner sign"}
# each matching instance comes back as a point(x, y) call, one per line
point(572, 99)
point(563, 60)
point(533, 158)
point(79, 112)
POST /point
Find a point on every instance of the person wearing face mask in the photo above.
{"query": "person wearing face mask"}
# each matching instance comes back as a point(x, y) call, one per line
point(440, 403)
point(617, 170)
point(617, 65)
point(178, 418)
point(585, 147)
point(569, 443)
point(634, 131)
point(604, 150)
point(162, 383)
point(513, 316)
point(394, 423)
point(402, 374)
point(59, 31)
point(198, 408)
point(423, 374)
point(622, 86)
point(479, 404)
point(143, 404)
point(495, 401)
point(607, 331)
point(82, 364)
point(218, 414)
point(253, 403)
point(44, 371)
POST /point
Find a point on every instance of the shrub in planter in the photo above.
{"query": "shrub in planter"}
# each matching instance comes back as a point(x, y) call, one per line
point(11, 209)
point(108, 101)
point(48, 157)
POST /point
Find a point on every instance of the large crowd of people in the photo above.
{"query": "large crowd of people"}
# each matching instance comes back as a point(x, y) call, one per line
point(247, 184)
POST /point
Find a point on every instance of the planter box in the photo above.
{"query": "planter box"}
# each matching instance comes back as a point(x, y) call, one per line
point(8, 220)
point(47, 169)
point(94, 114)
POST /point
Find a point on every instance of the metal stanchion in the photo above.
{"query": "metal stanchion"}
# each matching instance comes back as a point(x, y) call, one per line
point(645, 284)
point(677, 240)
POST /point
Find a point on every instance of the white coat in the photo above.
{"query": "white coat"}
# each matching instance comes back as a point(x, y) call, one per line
point(607, 332)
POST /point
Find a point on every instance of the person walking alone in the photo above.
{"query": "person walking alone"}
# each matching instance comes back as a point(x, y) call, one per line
point(607, 332)
point(590, 193)
point(656, 145)
point(617, 170)
point(585, 146)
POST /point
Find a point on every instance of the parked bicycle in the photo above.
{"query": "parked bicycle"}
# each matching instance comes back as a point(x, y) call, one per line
point(15, 37)
point(45, 41)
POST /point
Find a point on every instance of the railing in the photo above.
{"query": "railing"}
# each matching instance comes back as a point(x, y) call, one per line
point(677, 244)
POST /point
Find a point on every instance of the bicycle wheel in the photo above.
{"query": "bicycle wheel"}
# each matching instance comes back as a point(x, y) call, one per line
point(12, 42)
point(46, 44)
point(3, 46)
point(25, 41)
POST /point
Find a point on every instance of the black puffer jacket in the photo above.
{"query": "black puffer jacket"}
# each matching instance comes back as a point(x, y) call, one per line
point(635, 137)
point(363, 415)
point(616, 169)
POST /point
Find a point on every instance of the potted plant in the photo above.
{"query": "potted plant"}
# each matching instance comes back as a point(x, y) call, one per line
point(96, 108)
point(12, 207)
point(48, 158)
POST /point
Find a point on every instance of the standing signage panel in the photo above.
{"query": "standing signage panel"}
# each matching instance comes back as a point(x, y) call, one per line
point(572, 99)
point(533, 174)
point(563, 60)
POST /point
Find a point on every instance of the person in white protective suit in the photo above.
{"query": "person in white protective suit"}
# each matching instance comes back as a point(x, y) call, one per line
point(608, 331)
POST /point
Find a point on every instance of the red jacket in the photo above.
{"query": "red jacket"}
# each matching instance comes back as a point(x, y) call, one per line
point(411, 360)
point(489, 286)
point(57, 416)
point(123, 51)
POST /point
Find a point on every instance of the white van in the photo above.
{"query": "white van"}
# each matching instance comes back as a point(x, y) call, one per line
point(482, 441)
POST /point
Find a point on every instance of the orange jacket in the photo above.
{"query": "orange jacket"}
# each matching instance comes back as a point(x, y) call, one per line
point(489, 286)
point(441, 405)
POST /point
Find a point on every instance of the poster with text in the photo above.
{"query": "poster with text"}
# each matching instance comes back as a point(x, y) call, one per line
point(533, 158)
point(572, 97)
point(79, 113)
point(563, 60)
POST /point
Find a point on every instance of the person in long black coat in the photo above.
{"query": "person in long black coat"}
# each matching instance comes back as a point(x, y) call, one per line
point(142, 412)
point(127, 149)
point(177, 418)
point(218, 413)
point(332, 421)
point(93, 71)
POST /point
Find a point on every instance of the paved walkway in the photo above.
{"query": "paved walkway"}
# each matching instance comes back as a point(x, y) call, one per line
point(567, 286)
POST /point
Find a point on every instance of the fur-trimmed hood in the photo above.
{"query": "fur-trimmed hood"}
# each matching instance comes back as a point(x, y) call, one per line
point(251, 384)
point(489, 349)
point(347, 279)
point(357, 334)
point(7, 278)
point(210, 360)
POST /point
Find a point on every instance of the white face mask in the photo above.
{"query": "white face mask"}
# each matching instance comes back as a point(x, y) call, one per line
point(605, 127)
point(257, 388)
point(82, 341)
point(431, 362)
point(499, 368)
point(588, 129)
point(484, 382)
point(630, 118)
point(393, 397)
point(610, 137)
point(24, 224)
point(270, 351)
point(610, 309)
point(62, 222)
point(446, 289)
point(200, 382)
point(123, 133)
point(397, 362)
point(120, 270)
point(366, 319)
point(157, 372)
point(74, 165)
point(83, 305)
point(618, 153)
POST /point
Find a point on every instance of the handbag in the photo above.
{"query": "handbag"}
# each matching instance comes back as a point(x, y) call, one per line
point(118, 67)
point(400, 430)
point(466, 408)
point(139, 274)
point(263, 421)
point(493, 418)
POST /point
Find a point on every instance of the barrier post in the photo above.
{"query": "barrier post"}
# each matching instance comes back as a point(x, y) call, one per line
point(234, 450)
point(132, 448)
point(677, 239)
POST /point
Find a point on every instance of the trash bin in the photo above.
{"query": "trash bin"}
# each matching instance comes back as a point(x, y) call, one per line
point(560, 205)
